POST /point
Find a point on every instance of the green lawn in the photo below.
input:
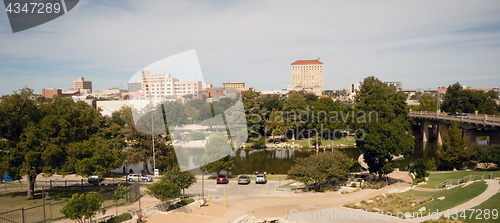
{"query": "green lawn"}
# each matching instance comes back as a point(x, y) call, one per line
point(453, 197)
point(16, 200)
point(440, 177)
point(491, 205)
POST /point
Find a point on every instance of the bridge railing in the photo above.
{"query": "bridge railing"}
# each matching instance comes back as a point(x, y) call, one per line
point(473, 118)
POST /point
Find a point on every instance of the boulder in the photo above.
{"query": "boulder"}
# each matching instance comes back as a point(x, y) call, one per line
point(242, 219)
point(370, 201)
point(422, 209)
point(440, 198)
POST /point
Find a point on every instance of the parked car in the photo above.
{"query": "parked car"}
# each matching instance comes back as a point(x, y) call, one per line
point(244, 179)
point(95, 179)
point(139, 177)
point(261, 178)
point(463, 115)
point(222, 179)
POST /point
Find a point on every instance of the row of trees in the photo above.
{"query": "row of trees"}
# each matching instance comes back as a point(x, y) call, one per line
point(380, 139)
point(457, 99)
point(55, 136)
point(454, 150)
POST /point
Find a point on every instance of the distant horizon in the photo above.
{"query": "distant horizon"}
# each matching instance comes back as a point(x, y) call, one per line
point(423, 45)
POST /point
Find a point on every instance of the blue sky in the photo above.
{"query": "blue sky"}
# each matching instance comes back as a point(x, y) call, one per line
point(424, 44)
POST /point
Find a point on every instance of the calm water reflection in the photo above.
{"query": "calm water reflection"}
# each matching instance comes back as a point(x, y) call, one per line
point(280, 161)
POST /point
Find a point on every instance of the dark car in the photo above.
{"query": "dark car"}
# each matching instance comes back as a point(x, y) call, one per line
point(222, 179)
point(95, 179)
point(244, 180)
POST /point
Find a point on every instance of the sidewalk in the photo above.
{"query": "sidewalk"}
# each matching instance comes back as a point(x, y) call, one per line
point(280, 205)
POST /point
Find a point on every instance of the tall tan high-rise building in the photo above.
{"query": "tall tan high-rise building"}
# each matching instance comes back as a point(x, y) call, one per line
point(308, 75)
point(81, 83)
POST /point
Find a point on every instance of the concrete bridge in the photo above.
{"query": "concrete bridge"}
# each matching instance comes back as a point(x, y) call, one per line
point(477, 126)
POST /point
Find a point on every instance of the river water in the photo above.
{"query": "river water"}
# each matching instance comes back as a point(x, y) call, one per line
point(280, 161)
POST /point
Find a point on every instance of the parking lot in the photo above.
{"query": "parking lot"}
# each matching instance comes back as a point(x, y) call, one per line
point(235, 191)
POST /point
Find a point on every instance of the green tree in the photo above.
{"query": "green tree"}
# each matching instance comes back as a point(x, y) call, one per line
point(387, 134)
point(453, 149)
point(293, 106)
point(428, 103)
point(140, 145)
point(317, 169)
point(49, 136)
point(272, 101)
point(486, 154)
point(120, 193)
point(252, 102)
point(420, 168)
point(81, 207)
point(457, 99)
point(416, 96)
point(163, 190)
point(275, 123)
point(174, 174)
point(217, 147)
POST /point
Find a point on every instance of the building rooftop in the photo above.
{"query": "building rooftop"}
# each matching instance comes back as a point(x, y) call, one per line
point(307, 62)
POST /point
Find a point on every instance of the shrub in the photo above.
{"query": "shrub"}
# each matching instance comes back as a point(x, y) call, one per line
point(258, 142)
point(181, 203)
point(120, 218)
point(420, 168)
point(353, 185)
point(196, 136)
point(418, 180)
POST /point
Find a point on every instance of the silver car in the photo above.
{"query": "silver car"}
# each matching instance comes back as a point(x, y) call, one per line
point(139, 177)
point(261, 178)
point(244, 180)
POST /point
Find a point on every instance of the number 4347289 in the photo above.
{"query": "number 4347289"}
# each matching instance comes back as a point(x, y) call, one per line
point(33, 8)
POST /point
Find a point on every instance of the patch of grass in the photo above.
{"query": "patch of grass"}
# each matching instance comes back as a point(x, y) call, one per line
point(440, 177)
point(289, 186)
point(453, 197)
point(490, 205)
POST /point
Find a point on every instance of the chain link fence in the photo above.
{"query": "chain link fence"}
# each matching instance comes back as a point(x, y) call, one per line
point(50, 210)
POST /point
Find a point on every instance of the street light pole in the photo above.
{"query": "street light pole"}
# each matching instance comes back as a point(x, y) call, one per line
point(153, 136)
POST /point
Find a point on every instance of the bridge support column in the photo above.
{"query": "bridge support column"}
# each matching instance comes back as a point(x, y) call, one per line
point(425, 131)
point(440, 130)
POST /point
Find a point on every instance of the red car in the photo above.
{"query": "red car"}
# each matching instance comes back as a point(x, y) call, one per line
point(222, 179)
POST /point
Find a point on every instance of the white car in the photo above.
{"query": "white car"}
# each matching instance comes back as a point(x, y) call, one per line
point(261, 178)
point(139, 177)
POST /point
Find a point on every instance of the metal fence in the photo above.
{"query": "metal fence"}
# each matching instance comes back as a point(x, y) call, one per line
point(41, 213)
point(62, 185)
point(451, 182)
point(50, 211)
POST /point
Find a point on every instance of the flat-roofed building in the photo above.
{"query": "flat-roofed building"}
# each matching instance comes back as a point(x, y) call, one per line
point(81, 83)
point(51, 92)
point(233, 85)
point(397, 84)
point(158, 86)
point(308, 75)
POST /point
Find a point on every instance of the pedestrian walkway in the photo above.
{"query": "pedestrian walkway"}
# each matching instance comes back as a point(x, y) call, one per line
point(279, 205)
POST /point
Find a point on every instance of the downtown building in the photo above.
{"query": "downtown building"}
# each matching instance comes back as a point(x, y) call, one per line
point(160, 86)
point(307, 75)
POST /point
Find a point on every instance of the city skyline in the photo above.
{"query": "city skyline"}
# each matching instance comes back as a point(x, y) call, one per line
point(425, 45)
